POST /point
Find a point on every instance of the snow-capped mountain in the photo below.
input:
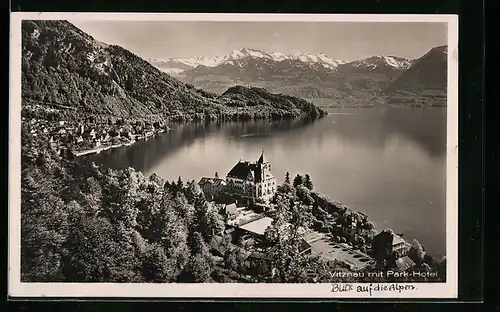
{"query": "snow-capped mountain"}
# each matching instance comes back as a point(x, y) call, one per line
point(375, 61)
point(391, 61)
point(428, 72)
point(304, 75)
point(381, 64)
point(178, 65)
point(238, 58)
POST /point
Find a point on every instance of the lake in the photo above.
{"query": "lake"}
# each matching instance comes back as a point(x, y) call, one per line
point(388, 163)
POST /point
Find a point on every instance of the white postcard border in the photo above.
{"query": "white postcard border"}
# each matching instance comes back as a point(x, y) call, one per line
point(214, 290)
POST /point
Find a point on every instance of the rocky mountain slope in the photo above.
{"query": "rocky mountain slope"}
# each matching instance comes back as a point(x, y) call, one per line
point(424, 82)
point(359, 83)
point(67, 69)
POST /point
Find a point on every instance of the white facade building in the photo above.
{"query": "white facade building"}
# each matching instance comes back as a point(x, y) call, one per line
point(252, 180)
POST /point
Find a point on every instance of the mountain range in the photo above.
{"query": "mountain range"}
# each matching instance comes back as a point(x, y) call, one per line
point(236, 57)
point(377, 80)
point(67, 69)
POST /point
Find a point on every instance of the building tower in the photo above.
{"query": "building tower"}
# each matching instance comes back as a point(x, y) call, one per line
point(264, 162)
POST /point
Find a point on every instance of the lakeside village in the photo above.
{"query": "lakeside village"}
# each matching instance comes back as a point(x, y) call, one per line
point(82, 138)
point(344, 238)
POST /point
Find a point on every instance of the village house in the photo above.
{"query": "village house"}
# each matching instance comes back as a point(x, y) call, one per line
point(252, 180)
point(387, 244)
point(212, 187)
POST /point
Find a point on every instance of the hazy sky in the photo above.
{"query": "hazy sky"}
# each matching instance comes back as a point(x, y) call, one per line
point(340, 40)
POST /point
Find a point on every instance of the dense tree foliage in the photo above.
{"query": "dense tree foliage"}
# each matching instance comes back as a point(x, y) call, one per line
point(298, 180)
point(80, 223)
point(307, 182)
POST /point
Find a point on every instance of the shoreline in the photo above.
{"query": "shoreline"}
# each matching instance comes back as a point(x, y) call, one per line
point(98, 150)
point(110, 147)
point(80, 153)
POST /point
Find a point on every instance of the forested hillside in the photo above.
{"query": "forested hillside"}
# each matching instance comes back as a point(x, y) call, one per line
point(67, 69)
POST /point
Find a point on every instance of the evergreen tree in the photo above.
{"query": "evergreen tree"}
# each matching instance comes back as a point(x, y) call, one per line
point(308, 183)
point(216, 174)
point(298, 180)
point(180, 184)
point(287, 177)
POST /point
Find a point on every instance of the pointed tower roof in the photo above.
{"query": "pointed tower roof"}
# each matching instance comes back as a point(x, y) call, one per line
point(262, 158)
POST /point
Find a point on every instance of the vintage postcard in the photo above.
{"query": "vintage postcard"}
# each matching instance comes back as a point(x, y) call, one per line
point(233, 156)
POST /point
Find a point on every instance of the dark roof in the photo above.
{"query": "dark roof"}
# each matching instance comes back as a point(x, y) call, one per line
point(304, 246)
point(213, 181)
point(396, 240)
point(246, 170)
point(262, 158)
point(388, 238)
point(404, 263)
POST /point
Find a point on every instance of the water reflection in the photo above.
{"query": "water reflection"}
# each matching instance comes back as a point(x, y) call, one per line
point(389, 163)
point(144, 155)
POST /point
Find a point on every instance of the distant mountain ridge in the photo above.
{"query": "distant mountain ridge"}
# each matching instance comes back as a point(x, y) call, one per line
point(376, 63)
point(367, 82)
point(178, 65)
point(424, 82)
point(64, 67)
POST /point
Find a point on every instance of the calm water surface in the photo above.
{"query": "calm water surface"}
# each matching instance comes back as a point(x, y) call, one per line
point(388, 163)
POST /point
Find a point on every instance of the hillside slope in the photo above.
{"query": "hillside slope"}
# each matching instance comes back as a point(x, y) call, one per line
point(424, 82)
point(67, 69)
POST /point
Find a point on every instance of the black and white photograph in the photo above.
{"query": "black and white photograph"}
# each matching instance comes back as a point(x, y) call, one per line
point(237, 151)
